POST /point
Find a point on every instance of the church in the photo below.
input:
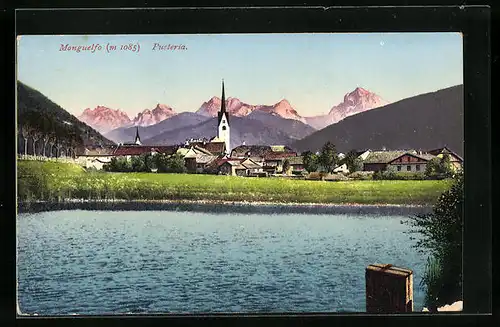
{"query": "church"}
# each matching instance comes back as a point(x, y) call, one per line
point(223, 127)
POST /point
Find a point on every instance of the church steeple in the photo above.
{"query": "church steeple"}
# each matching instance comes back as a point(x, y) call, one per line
point(223, 123)
point(137, 137)
point(223, 111)
point(223, 99)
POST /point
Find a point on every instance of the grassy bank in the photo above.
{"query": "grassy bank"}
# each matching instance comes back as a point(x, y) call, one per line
point(56, 181)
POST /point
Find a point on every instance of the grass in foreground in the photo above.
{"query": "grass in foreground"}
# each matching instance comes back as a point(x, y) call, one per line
point(60, 181)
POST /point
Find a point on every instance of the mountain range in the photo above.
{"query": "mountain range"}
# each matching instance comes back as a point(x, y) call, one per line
point(105, 119)
point(244, 130)
point(424, 122)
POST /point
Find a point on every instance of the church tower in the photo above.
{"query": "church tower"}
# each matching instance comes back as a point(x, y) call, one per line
point(137, 138)
point(223, 123)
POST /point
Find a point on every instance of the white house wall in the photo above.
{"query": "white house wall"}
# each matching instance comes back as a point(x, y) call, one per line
point(412, 165)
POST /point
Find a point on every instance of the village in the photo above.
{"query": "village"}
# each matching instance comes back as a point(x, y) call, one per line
point(202, 156)
point(215, 156)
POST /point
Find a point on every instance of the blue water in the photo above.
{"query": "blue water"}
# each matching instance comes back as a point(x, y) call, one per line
point(91, 262)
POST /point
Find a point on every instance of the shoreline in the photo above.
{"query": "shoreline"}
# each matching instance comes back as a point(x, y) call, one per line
point(240, 207)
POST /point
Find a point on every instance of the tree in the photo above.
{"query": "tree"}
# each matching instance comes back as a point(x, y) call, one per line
point(441, 237)
point(139, 163)
point(45, 140)
point(439, 167)
point(58, 146)
point(35, 136)
point(52, 142)
point(328, 157)
point(160, 161)
point(119, 164)
point(310, 161)
point(175, 164)
point(445, 166)
point(353, 162)
point(25, 132)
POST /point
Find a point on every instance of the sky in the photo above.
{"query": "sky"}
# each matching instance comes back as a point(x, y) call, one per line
point(312, 71)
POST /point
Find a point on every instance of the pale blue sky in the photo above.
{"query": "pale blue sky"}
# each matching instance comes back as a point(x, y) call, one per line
point(312, 71)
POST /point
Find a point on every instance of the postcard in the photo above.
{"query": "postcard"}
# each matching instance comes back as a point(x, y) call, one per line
point(239, 173)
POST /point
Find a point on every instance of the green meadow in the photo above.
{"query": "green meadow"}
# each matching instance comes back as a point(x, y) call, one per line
point(53, 181)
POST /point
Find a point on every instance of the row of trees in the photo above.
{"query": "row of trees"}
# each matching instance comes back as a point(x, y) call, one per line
point(328, 159)
point(147, 162)
point(47, 137)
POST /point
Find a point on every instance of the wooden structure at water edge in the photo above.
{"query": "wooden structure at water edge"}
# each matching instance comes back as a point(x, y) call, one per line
point(389, 289)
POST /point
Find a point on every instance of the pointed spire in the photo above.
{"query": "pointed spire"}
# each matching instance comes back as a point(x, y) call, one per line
point(137, 138)
point(223, 99)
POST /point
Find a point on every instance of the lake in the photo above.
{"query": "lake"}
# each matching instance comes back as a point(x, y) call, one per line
point(116, 262)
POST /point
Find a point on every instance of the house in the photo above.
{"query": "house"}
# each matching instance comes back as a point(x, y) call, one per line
point(232, 167)
point(378, 160)
point(216, 148)
point(456, 160)
point(296, 163)
point(95, 158)
point(410, 162)
point(252, 167)
point(273, 162)
point(196, 159)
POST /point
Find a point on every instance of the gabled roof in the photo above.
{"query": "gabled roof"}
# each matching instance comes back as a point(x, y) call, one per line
point(214, 164)
point(421, 156)
point(383, 157)
point(205, 158)
point(251, 150)
point(216, 147)
point(279, 155)
point(250, 164)
point(444, 150)
point(230, 161)
point(199, 149)
point(131, 150)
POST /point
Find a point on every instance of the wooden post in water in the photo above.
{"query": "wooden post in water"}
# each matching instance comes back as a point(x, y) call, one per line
point(389, 289)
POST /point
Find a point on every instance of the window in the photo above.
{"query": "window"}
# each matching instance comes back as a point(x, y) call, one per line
point(417, 167)
point(408, 168)
point(223, 121)
point(399, 168)
point(223, 128)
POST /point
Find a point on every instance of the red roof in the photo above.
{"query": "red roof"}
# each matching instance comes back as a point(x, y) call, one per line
point(279, 155)
point(138, 150)
point(215, 147)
